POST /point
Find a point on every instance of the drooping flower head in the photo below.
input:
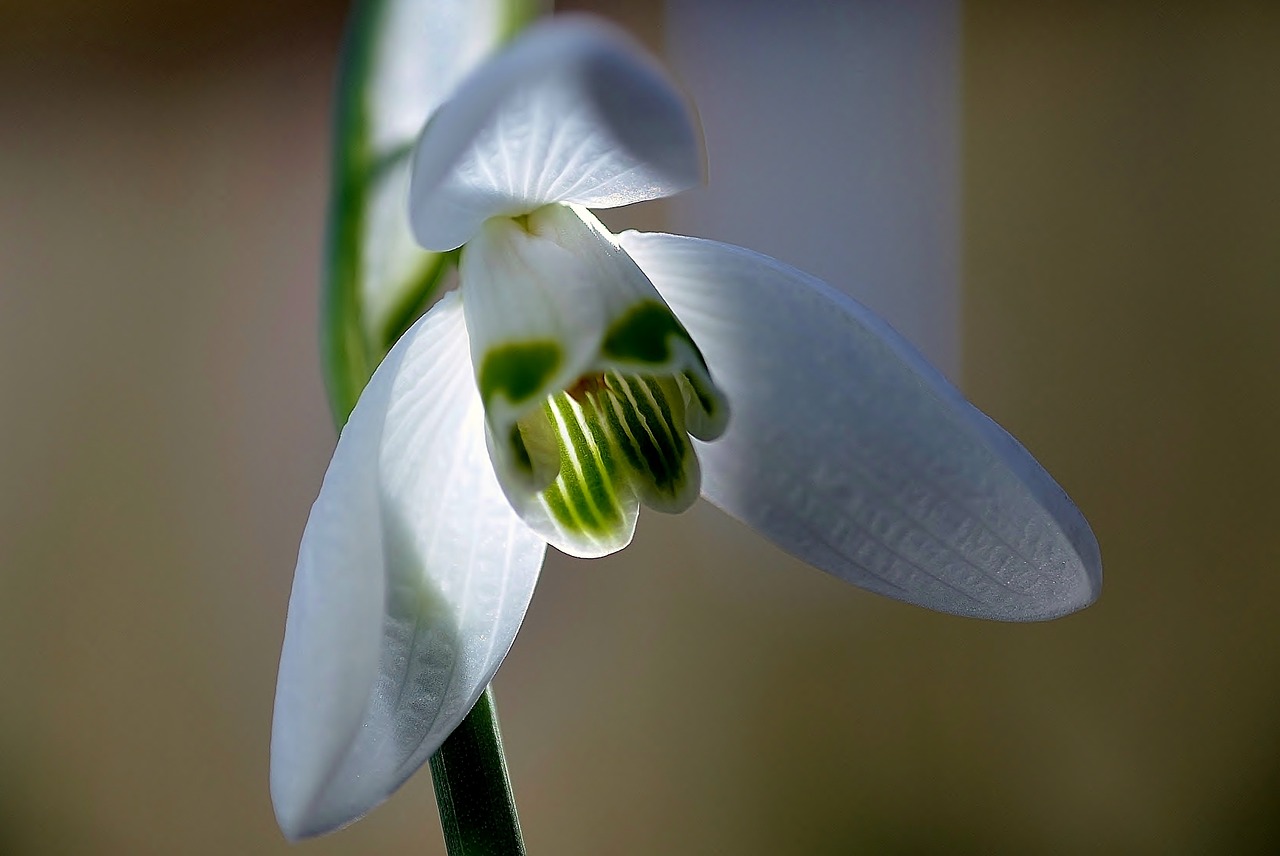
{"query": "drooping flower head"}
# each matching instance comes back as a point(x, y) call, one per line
point(576, 375)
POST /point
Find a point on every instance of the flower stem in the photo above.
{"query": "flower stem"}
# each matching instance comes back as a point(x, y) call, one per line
point(473, 791)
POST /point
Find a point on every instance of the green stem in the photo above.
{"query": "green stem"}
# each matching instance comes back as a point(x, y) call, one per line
point(473, 791)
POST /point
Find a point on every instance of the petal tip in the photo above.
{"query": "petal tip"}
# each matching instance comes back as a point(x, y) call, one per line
point(293, 803)
point(850, 452)
point(573, 111)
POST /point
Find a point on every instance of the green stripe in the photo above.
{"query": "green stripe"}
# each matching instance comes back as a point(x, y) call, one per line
point(568, 481)
point(700, 391)
point(584, 497)
point(520, 452)
point(648, 426)
point(595, 478)
point(602, 437)
point(673, 449)
point(615, 413)
point(642, 440)
point(559, 507)
point(619, 436)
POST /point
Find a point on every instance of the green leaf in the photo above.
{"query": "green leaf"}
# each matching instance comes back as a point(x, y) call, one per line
point(400, 60)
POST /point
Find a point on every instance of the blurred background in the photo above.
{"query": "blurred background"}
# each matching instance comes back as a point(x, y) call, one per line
point(1072, 207)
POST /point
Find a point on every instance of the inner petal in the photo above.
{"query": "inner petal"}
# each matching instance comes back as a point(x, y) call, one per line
point(645, 420)
point(590, 508)
point(621, 442)
point(590, 383)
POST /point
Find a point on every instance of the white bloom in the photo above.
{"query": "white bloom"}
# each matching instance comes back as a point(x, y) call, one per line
point(556, 391)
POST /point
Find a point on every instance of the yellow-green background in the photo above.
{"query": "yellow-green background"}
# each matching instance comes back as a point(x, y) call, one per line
point(163, 432)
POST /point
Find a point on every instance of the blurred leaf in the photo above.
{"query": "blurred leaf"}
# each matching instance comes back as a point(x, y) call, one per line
point(400, 60)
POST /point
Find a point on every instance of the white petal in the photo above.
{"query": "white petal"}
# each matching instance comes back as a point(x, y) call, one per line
point(572, 112)
point(413, 577)
point(848, 450)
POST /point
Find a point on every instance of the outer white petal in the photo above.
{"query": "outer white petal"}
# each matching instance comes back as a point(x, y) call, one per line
point(572, 112)
point(413, 577)
point(848, 450)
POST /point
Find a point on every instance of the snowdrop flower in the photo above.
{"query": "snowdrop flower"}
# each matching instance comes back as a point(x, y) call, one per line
point(576, 375)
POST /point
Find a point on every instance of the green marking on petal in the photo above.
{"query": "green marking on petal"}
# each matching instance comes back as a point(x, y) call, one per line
point(520, 450)
point(647, 428)
point(706, 399)
point(628, 439)
point(578, 464)
point(518, 371)
point(569, 484)
point(643, 335)
point(610, 440)
point(615, 416)
point(584, 497)
point(560, 510)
